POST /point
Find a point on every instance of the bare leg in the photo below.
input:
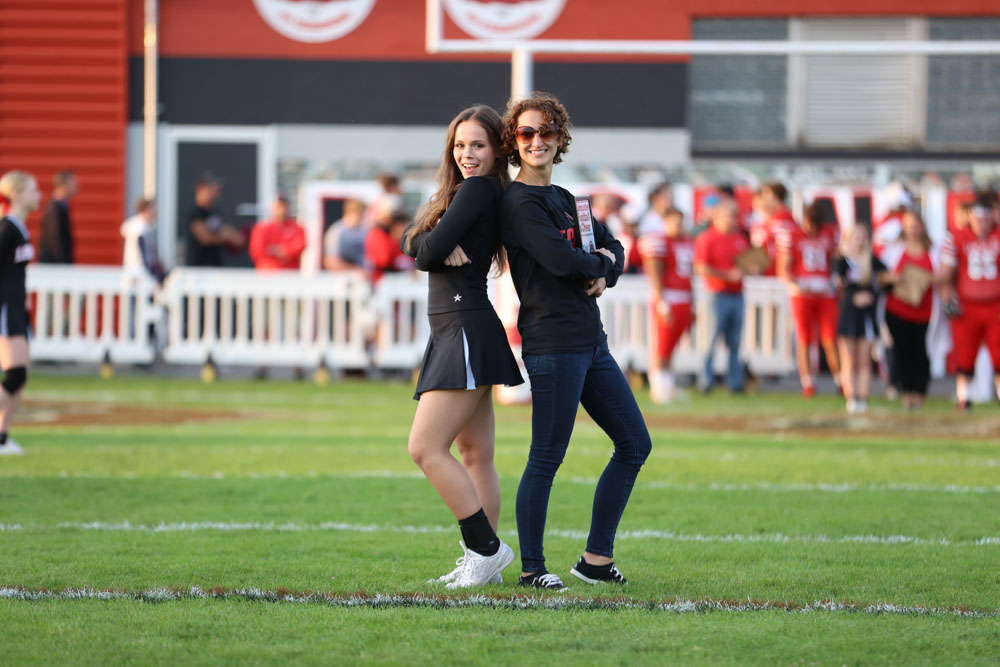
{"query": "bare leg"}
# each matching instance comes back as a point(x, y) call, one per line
point(802, 360)
point(13, 352)
point(475, 444)
point(863, 354)
point(846, 368)
point(832, 360)
point(962, 383)
point(441, 416)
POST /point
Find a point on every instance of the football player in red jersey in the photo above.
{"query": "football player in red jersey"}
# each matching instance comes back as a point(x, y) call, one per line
point(776, 219)
point(971, 262)
point(667, 256)
point(805, 260)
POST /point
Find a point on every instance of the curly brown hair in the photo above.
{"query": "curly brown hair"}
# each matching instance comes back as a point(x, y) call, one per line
point(553, 111)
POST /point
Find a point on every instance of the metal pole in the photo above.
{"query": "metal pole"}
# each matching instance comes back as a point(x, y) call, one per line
point(522, 79)
point(149, 100)
point(433, 28)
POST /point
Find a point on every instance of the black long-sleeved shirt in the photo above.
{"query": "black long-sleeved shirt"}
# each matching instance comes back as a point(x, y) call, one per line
point(538, 229)
point(471, 222)
point(15, 253)
point(56, 235)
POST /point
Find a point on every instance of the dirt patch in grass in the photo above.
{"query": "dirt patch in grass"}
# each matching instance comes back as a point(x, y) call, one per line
point(83, 413)
point(923, 427)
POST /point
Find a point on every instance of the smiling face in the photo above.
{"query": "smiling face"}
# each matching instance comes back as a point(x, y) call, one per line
point(538, 153)
point(473, 152)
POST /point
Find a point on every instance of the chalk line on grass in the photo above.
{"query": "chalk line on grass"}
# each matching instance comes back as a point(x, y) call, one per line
point(336, 526)
point(773, 487)
point(511, 602)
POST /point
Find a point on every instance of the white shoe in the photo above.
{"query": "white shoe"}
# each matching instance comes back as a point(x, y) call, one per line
point(11, 448)
point(477, 570)
point(451, 576)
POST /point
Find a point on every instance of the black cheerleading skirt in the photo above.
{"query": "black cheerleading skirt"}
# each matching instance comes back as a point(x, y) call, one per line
point(467, 349)
point(857, 323)
point(13, 318)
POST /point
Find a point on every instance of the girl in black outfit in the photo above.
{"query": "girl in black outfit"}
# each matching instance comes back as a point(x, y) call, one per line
point(859, 273)
point(563, 343)
point(19, 196)
point(456, 239)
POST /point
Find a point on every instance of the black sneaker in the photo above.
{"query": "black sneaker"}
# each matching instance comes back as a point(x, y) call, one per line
point(543, 579)
point(595, 574)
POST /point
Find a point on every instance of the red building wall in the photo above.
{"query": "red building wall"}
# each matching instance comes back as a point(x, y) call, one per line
point(63, 105)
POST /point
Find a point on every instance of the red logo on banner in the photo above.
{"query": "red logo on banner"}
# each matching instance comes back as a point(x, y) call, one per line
point(314, 20)
point(504, 19)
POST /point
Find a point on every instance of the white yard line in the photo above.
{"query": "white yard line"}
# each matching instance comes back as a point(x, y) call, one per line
point(513, 602)
point(335, 526)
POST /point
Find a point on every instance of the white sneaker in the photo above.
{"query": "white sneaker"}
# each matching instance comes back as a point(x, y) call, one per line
point(11, 448)
point(852, 406)
point(477, 570)
point(451, 576)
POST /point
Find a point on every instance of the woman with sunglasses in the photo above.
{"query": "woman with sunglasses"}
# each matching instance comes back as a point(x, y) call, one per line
point(456, 239)
point(563, 343)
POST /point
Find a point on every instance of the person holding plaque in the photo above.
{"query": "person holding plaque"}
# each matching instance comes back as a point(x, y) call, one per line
point(908, 311)
point(805, 262)
point(722, 256)
point(456, 240)
point(563, 343)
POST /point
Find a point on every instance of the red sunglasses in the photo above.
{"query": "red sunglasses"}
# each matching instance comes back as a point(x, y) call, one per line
point(526, 134)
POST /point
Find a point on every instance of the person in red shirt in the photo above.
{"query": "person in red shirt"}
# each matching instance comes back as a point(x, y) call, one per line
point(277, 243)
point(805, 262)
point(971, 262)
point(668, 257)
point(776, 218)
point(908, 321)
point(382, 252)
point(715, 253)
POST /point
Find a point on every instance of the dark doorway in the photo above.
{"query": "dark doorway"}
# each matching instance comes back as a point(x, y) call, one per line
point(236, 165)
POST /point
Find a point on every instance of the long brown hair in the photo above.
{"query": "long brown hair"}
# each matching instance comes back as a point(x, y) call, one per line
point(449, 177)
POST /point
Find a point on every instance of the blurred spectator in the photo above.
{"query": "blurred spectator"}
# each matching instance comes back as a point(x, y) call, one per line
point(887, 231)
point(661, 201)
point(668, 256)
point(805, 262)
point(385, 204)
point(56, 234)
point(859, 273)
point(277, 243)
point(970, 261)
point(206, 231)
point(715, 257)
point(141, 254)
point(382, 248)
point(776, 219)
point(344, 241)
point(908, 313)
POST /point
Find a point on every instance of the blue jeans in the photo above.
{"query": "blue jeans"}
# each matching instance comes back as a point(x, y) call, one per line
point(559, 384)
point(729, 311)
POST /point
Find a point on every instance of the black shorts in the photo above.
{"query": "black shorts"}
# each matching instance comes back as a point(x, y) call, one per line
point(14, 319)
point(467, 349)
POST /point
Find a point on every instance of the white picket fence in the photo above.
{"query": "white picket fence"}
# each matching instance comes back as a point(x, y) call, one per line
point(241, 317)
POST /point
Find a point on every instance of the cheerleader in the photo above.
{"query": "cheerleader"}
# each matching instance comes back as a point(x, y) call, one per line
point(19, 196)
point(563, 342)
point(456, 240)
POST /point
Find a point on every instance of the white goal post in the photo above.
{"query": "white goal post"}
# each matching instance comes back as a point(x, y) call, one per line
point(522, 52)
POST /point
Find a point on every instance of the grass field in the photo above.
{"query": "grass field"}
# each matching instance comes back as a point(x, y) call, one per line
point(158, 521)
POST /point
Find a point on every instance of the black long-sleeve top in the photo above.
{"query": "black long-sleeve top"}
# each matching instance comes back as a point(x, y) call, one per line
point(55, 240)
point(550, 271)
point(15, 253)
point(471, 222)
point(850, 277)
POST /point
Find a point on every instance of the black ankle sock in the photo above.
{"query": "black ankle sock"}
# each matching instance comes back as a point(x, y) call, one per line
point(3, 437)
point(478, 534)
